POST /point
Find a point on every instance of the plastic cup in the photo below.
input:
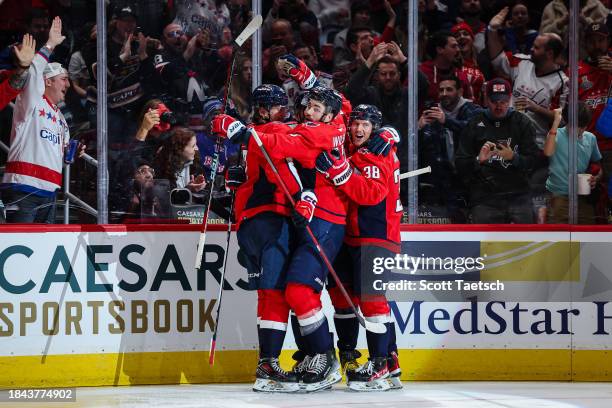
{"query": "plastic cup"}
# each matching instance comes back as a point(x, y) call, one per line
point(584, 188)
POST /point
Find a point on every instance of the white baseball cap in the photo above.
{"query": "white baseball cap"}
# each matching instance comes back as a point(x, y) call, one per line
point(53, 69)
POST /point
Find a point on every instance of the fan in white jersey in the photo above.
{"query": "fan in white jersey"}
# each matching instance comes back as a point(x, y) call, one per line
point(39, 135)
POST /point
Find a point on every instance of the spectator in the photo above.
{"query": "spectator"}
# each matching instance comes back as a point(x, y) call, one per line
point(594, 82)
point(207, 143)
point(519, 37)
point(359, 41)
point(309, 56)
point(187, 67)
point(144, 198)
point(295, 12)
point(440, 128)
point(539, 86)
point(195, 16)
point(470, 12)
point(445, 62)
point(333, 16)
point(387, 94)
point(283, 42)
point(360, 18)
point(174, 160)
point(140, 149)
point(555, 17)
point(13, 20)
point(80, 79)
point(37, 26)
point(240, 93)
point(12, 86)
point(557, 148)
point(34, 168)
point(465, 39)
point(151, 14)
point(496, 152)
point(455, 112)
point(129, 67)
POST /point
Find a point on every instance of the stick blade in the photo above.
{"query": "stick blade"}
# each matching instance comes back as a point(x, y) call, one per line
point(378, 328)
point(248, 31)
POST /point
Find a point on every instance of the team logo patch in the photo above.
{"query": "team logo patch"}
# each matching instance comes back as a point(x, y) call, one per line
point(586, 84)
point(499, 88)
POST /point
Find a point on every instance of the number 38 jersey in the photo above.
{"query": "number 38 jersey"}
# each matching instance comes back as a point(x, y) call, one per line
point(375, 209)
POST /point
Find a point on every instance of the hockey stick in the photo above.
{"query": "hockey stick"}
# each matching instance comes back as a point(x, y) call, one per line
point(248, 31)
point(213, 340)
point(414, 173)
point(202, 241)
point(370, 326)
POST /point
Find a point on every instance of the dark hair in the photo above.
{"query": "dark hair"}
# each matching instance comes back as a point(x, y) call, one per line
point(555, 44)
point(585, 114)
point(438, 39)
point(388, 60)
point(452, 78)
point(359, 5)
point(169, 160)
point(352, 34)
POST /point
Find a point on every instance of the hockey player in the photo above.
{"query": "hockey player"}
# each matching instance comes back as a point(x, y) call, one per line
point(263, 224)
point(371, 182)
point(319, 204)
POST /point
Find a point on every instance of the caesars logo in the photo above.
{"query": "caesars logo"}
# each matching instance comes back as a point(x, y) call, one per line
point(136, 303)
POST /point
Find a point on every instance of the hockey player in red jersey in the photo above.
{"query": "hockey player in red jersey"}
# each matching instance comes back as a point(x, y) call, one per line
point(318, 205)
point(264, 234)
point(370, 181)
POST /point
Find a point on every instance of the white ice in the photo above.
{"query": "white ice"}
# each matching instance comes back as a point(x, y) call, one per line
point(414, 394)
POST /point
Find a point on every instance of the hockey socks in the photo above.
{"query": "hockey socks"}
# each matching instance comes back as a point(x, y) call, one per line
point(347, 329)
point(272, 324)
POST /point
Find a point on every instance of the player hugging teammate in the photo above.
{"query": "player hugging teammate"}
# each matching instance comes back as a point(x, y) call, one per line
point(283, 263)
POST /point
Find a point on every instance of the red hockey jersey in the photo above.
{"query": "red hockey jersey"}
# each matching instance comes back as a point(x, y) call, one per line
point(303, 144)
point(261, 192)
point(375, 209)
point(594, 86)
point(435, 76)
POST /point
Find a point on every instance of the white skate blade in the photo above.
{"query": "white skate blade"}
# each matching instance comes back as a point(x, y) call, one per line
point(396, 383)
point(263, 385)
point(330, 380)
point(380, 384)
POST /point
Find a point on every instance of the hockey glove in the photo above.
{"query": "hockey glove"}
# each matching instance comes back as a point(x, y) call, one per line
point(226, 126)
point(382, 140)
point(304, 209)
point(297, 70)
point(235, 177)
point(334, 166)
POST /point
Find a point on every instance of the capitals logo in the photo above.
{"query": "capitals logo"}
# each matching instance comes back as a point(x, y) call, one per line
point(46, 134)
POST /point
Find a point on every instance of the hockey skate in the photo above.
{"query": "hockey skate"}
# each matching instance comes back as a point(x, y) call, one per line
point(270, 377)
point(394, 371)
point(348, 360)
point(372, 376)
point(322, 372)
point(299, 368)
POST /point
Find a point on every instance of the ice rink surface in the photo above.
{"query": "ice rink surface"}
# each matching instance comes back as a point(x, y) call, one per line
point(414, 394)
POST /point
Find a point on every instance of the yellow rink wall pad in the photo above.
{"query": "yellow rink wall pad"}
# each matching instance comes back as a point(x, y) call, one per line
point(239, 366)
